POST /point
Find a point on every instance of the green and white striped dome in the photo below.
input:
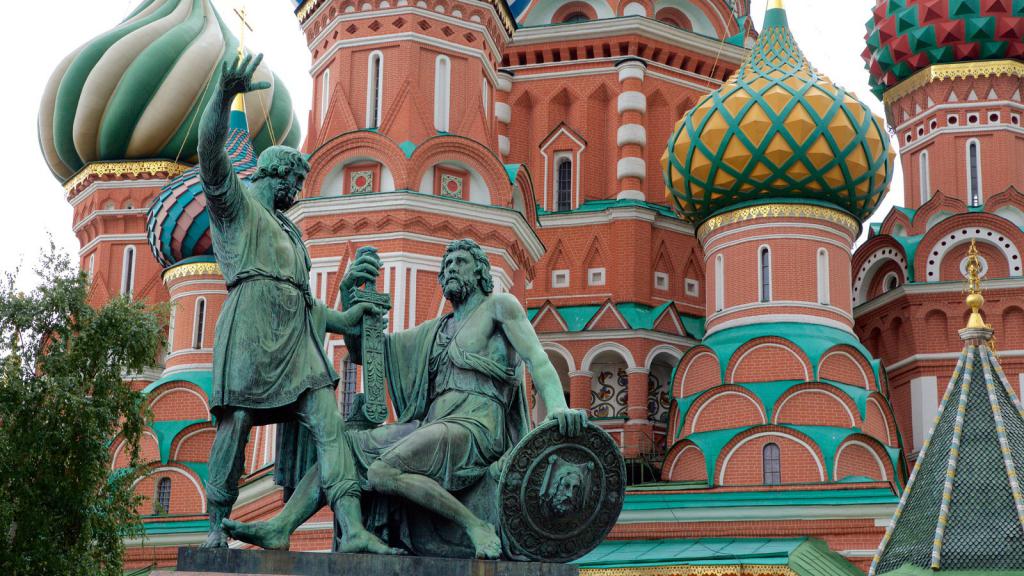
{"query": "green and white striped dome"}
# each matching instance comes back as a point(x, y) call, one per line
point(138, 90)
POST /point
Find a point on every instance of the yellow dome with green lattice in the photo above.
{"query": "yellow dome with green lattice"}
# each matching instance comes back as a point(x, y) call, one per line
point(778, 129)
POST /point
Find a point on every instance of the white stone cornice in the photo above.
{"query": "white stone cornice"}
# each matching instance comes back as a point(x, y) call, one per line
point(630, 26)
point(907, 148)
point(115, 184)
point(958, 107)
point(112, 238)
point(771, 318)
point(631, 69)
point(637, 370)
point(573, 219)
point(96, 214)
point(581, 374)
point(503, 82)
point(618, 336)
point(781, 304)
point(952, 288)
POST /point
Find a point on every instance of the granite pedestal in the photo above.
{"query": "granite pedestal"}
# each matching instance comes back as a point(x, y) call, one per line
point(218, 562)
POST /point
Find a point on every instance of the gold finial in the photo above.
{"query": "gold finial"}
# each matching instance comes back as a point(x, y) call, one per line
point(243, 24)
point(974, 298)
point(775, 4)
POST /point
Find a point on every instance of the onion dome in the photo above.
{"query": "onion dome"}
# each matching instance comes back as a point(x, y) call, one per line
point(777, 130)
point(137, 91)
point(905, 36)
point(177, 224)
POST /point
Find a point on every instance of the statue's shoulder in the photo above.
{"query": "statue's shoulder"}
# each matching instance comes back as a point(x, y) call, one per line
point(505, 306)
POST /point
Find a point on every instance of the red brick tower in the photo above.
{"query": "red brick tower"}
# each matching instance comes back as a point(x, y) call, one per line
point(950, 76)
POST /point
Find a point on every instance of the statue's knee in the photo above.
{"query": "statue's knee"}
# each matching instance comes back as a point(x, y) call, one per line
point(381, 476)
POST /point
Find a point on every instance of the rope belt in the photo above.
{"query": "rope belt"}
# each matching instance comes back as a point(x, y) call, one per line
point(249, 276)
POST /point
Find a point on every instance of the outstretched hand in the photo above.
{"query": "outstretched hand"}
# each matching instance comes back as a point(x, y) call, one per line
point(236, 76)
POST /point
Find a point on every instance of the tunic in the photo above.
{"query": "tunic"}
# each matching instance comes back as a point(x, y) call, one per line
point(266, 352)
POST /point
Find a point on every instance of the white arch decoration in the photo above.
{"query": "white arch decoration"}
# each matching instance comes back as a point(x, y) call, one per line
point(778, 410)
point(885, 419)
point(696, 416)
point(186, 474)
point(964, 234)
point(201, 397)
point(193, 433)
point(588, 359)
point(561, 351)
point(120, 447)
point(867, 379)
point(662, 349)
point(732, 375)
point(725, 461)
point(835, 464)
point(867, 271)
point(679, 455)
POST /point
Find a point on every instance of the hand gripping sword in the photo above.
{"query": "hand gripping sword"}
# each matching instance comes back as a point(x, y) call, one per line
point(375, 406)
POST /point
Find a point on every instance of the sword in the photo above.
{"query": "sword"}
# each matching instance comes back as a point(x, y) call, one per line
point(375, 405)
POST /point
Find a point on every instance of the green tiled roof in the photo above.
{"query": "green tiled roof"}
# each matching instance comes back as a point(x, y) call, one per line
point(802, 555)
point(637, 316)
point(201, 378)
point(963, 508)
point(167, 430)
point(813, 339)
point(705, 499)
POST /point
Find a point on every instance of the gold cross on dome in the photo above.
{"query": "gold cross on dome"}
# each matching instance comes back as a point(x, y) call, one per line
point(243, 24)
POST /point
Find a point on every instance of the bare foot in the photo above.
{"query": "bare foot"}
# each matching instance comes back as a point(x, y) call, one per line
point(485, 540)
point(363, 541)
point(215, 539)
point(261, 534)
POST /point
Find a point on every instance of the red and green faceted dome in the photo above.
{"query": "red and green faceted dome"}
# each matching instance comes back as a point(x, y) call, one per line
point(904, 36)
point(778, 130)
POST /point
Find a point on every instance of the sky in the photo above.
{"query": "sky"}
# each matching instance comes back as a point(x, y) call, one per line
point(830, 32)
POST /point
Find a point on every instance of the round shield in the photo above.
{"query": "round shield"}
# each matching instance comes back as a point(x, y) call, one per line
point(560, 496)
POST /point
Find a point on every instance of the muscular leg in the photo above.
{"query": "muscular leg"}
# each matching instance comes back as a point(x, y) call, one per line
point(227, 458)
point(426, 492)
point(274, 533)
point(318, 411)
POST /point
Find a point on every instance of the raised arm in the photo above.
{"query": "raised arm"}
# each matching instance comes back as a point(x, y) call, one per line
point(236, 78)
point(520, 334)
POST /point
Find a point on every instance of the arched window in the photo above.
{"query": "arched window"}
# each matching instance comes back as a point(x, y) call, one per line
point(575, 18)
point(374, 89)
point(442, 92)
point(719, 283)
point(925, 181)
point(564, 185)
point(823, 277)
point(170, 327)
point(162, 501)
point(92, 265)
point(764, 273)
point(349, 376)
point(485, 93)
point(325, 93)
point(891, 282)
point(771, 464)
point(128, 271)
point(974, 173)
point(199, 324)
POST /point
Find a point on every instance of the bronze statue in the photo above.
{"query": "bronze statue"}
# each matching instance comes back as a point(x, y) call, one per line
point(269, 362)
point(456, 387)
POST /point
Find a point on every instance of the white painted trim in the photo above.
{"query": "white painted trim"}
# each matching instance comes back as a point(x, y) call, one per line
point(967, 172)
point(764, 251)
point(597, 276)
point(503, 112)
point(197, 336)
point(768, 318)
point(924, 407)
point(924, 177)
point(124, 442)
point(686, 372)
point(631, 195)
point(129, 254)
point(944, 244)
point(868, 380)
point(206, 405)
point(780, 304)
point(325, 93)
point(835, 463)
point(172, 370)
point(885, 419)
point(870, 267)
point(504, 145)
point(503, 82)
point(191, 434)
point(951, 288)
point(580, 219)
point(604, 310)
point(907, 148)
point(725, 461)
point(631, 134)
point(377, 92)
point(581, 146)
point(957, 106)
point(719, 284)
point(714, 247)
point(111, 238)
point(563, 352)
point(97, 214)
point(778, 409)
point(846, 239)
point(549, 310)
point(640, 335)
point(712, 397)
point(631, 70)
point(672, 351)
point(442, 93)
point(588, 358)
point(631, 167)
point(560, 278)
point(679, 455)
point(632, 101)
point(434, 205)
point(115, 185)
point(824, 277)
point(731, 379)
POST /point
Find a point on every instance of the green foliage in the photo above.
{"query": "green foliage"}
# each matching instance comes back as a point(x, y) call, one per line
point(63, 400)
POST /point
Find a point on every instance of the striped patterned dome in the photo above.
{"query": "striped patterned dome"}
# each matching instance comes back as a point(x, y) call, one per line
point(904, 36)
point(137, 91)
point(777, 130)
point(177, 224)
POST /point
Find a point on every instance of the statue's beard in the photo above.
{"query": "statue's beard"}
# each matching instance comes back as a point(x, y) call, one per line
point(457, 289)
point(284, 195)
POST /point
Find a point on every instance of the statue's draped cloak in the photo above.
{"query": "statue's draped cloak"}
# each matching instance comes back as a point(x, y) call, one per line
point(268, 344)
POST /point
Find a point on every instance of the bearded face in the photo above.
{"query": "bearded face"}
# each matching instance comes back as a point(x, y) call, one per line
point(460, 278)
point(566, 494)
point(287, 188)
